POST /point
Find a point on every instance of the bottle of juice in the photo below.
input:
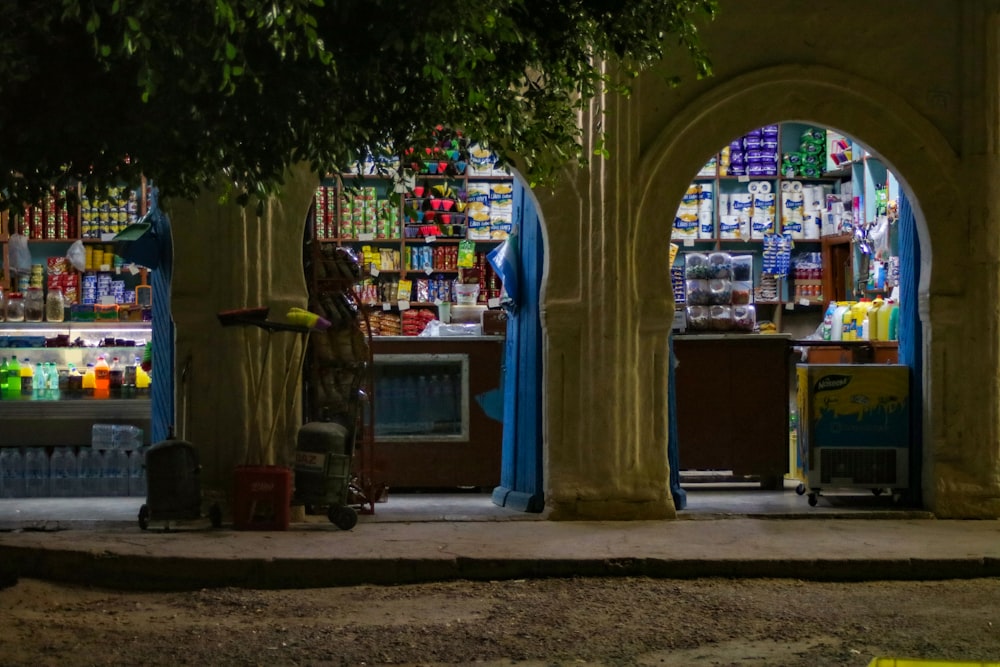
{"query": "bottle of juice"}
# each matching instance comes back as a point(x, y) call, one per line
point(142, 381)
point(89, 378)
point(3, 378)
point(27, 376)
point(115, 378)
point(102, 378)
point(13, 379)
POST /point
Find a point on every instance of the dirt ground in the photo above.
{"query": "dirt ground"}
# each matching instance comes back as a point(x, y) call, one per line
point(594, 621)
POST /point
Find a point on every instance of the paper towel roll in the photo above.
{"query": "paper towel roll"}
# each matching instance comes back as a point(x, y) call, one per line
point(764, 187)
point(814, 197)
point(761, 225)
point(796, 186)
point(741, 202)
point(812, 225)
point(723, 204)
point(791, 205)
point(792, 227)
point(706, 225)
point(753, 187)
point(763, 204)
point(729, 227)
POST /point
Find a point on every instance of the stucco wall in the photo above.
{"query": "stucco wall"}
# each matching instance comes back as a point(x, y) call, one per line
point(907, 79)
point(916, 81)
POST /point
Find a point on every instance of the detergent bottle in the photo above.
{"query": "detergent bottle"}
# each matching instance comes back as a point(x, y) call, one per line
point(859, 317)
point(874, 333)
point(894, 323)
point(837, 321)
point(848, 322)
point(884, 315)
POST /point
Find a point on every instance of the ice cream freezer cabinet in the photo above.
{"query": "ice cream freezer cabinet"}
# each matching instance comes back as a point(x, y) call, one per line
point(854, 424)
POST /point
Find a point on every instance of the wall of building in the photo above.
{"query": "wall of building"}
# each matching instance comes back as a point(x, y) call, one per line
point(917, 83)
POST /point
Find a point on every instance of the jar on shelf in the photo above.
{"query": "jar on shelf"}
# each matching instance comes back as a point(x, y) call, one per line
point(55, 305)
point(15, 307)
point(3, 305)
point(34, 304)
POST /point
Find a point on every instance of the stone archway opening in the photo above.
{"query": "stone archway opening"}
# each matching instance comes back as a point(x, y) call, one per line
point(910, 146)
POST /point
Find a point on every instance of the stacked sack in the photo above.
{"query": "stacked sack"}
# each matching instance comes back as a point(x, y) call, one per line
point(810, 159)
point(755, 154)
point(718, 290)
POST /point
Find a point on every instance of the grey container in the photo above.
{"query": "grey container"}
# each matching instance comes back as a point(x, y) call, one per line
point(323, 470)
point(173, 484)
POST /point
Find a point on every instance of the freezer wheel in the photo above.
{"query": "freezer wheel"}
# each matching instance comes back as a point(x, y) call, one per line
point(800, 489)
point(343, 517)
point(144, 517)
point(812, 500)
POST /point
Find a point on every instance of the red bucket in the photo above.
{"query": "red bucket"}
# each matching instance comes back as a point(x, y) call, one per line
point(263, 498)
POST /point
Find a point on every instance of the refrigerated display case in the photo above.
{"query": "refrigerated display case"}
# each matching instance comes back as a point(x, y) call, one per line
point(435, 420)
point(60, 418)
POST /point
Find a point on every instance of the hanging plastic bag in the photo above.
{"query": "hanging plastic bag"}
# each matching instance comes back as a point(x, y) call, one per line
point(77, 256)
point(505, 261)
point(18, 253)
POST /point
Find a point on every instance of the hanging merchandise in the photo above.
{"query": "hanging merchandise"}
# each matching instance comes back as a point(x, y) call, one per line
point(146, 242)
point(504, 260)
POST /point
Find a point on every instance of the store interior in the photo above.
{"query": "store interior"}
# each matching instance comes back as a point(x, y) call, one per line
point(814, 215)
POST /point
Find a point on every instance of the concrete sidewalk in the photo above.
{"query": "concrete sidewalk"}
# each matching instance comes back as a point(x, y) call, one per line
point(314, 553)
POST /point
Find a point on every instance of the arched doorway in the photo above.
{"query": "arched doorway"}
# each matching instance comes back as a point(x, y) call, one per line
point(907, 142)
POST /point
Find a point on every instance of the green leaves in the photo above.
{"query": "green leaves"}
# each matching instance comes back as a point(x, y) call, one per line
point(191, 89)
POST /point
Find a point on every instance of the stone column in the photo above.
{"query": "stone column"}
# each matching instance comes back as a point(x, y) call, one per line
point(605, 353)
point(227, 256)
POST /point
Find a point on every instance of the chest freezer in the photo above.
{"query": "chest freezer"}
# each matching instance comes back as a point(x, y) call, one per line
point(854, 425)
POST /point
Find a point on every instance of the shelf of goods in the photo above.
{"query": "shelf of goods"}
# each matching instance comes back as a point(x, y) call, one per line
point(35, 242)
point(421, 230)
point(787, 196)
point(59, 439)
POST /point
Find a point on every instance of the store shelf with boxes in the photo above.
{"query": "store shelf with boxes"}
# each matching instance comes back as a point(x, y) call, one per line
point(421, 229)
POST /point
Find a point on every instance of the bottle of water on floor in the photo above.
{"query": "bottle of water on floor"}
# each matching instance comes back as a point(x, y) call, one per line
point(64, 480)
point(11, 472)
point(36, 472)
point(115, 472)
point(89, 464)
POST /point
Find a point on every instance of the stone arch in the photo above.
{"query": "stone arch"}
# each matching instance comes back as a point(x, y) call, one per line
point(926, 165)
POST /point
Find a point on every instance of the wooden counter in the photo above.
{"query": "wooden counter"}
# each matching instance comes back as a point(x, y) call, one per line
point(732, 404)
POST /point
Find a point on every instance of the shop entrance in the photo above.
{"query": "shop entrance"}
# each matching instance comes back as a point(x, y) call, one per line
point(785, 248)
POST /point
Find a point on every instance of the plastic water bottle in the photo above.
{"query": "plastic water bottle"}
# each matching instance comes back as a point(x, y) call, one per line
point(13, 379)
point(52, 381)
point(137, 472)
point(36, 473)
point(116, 472)
point(89, 465)
point(64, 481)
point(101, 436)
point(11, 473)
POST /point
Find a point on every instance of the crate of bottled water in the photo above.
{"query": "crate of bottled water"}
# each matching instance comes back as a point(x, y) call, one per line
point(115, 436)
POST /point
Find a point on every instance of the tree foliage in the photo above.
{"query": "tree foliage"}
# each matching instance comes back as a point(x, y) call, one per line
point(188, 90)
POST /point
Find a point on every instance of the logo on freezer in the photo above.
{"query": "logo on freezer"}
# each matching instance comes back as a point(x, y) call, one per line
point(832, 382)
